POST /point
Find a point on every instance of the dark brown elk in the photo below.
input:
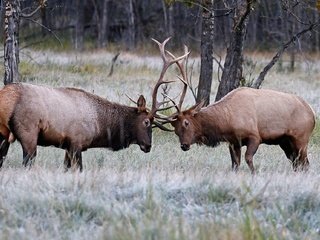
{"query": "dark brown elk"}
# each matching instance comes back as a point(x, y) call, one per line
point(74, 120)
point(70, 119)
point(247, 117)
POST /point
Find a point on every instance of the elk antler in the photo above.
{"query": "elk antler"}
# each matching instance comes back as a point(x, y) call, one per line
point(166, 64)
point(183, 79)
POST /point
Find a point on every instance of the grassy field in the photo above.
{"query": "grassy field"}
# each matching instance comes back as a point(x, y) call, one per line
point(167, 193)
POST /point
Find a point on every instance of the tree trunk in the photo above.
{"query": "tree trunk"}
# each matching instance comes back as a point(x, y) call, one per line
point(79, 25)
point(205, 79)
point(11, 44)
point(103, 25)
point(131, 26)
point(170, 21)
point(168, 18)
point(232, 73)
point(44, 22)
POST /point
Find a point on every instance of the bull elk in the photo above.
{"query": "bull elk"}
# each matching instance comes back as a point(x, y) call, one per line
point(246, 117)
point(74, 120)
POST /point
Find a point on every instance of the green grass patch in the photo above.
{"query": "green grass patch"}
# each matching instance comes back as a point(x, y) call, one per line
point(315, 138)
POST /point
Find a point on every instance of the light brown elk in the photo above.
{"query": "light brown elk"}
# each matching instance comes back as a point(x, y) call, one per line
point(247, 117)
point(73, 119)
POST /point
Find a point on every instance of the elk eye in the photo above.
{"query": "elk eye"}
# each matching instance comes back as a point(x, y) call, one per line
point(146, 122)
point(186, 123)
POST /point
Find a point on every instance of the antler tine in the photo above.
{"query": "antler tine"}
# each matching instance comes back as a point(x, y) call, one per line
point(173, 102)
point(166, 64)
point(182, 69)
point(162, 50)
point(131, 99)
point(160, 125)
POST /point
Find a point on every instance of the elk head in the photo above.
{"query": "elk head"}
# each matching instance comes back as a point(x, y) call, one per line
point(150, 118)
point(168, 59)
point(143, 126)
point(186, 126)
point(184, 122)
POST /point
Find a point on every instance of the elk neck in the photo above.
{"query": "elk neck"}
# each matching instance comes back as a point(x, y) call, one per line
point(212, 122)
point(116, 126)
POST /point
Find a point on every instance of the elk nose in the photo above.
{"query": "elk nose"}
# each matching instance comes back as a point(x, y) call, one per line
point(145, 148)
point(185, 147)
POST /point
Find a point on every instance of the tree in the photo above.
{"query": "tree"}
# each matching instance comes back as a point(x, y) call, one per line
point(103, 24)
point(13, 14)
point(131, 25)
point(232, 70)
point(11, 44)
point(205, 79)
point(79, 25)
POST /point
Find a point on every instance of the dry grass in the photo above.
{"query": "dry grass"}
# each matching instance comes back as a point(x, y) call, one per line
point(167, 193)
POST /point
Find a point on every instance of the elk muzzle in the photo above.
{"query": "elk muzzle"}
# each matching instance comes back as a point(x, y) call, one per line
point(145, 147)
point(185, 147)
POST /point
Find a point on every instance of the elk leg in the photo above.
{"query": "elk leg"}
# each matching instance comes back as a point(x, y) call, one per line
point(29, 153)
point(4, 147)
point(252, 147)
point(286, 146)
point(29, 148)
point(67, 161)
point(76, 160)
point(300, 161)
point(235, 152)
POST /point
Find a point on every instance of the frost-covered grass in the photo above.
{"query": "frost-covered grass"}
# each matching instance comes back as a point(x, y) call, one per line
point(164, 194)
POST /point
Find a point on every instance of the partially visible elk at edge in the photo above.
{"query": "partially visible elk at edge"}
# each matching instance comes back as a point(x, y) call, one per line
point(246, 117)
point(74, 120)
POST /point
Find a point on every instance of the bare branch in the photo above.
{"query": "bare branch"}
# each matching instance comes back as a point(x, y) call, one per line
point(48, 29)
point(294, 38)
point(42, 4)
point(113, 61)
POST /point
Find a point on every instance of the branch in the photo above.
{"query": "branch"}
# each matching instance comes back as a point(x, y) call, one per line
point(113, 61)
point(264, 72)
point(48, 29)
point(239, 24)
point(42, 4)
point(29, 15)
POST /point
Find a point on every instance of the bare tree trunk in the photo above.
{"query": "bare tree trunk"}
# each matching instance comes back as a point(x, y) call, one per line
point(2, 15)
point(205, 79)
point(168, 18)
point(103, 25)
point(11, 45)
point(44, 21)
point(79, 25)
point(131, 33)
point(317, 34)
point(232, 73)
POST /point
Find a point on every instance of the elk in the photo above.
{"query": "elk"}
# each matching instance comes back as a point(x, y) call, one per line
point(246, 117)
point(74, 120)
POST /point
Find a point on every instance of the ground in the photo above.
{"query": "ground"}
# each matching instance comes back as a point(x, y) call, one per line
point(167, 193)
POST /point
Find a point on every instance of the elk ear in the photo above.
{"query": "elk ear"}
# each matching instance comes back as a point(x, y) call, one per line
point(141, 103)
point(196, 108)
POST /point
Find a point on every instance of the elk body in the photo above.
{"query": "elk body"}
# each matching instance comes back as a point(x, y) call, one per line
point(70, 119)
point(249, 117)
point(75, 120)
point(244, 117)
